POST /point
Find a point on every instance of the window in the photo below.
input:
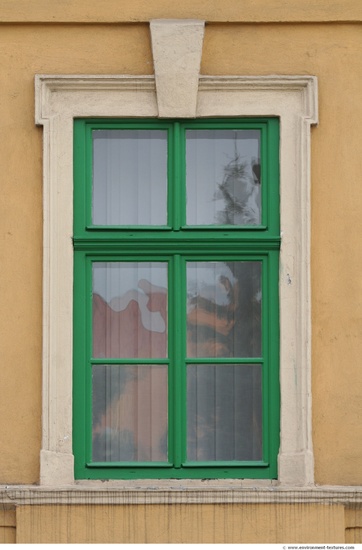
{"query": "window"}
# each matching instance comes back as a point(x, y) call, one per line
point(176, 331)
point(294, 101)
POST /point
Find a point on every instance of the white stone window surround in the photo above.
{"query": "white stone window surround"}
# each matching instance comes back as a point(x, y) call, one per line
point(59, 99)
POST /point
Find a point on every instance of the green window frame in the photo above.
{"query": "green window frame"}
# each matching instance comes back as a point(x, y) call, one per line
point(175, 243)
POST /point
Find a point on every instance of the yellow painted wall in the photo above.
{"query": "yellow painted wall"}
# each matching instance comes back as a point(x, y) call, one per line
point(319, 38)
point(114, 11)
point(353, 523)
point(7, 524)
point(219, 523)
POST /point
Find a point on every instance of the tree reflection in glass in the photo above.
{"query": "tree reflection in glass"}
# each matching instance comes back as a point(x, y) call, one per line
point(223, 400)
point(223, 177)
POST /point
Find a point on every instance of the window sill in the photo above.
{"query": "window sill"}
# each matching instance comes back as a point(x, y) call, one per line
point(179, 492)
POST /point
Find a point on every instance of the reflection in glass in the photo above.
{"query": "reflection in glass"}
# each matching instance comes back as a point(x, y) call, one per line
point(224, 412)
point(129, 177)
point(129, 309)
point(129, 413)
point(224, 309)
point(223, 177)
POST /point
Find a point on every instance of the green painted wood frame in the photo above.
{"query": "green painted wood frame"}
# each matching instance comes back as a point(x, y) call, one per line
point(175, 244)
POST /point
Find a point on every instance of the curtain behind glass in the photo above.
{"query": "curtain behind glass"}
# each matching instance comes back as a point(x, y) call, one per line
point(224, 309)
point(223, 177)
point(129, 309)
point(129, 413)
point(224, 412)
point(130, 401)
point(129, 177)
point(224, 405)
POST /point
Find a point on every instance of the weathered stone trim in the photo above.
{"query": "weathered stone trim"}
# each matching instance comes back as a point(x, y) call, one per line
point(291, 98)
point(179, 494)
point(177, 49)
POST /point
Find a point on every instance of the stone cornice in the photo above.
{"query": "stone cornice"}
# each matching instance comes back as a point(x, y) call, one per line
point(50, 84)
point(305, 84)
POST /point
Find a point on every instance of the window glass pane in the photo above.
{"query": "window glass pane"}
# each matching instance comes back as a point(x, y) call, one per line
point(223, 177)
point(224, 309)
point(224, 412)
point(129, 309)
point(129, 177)
point(129, 413)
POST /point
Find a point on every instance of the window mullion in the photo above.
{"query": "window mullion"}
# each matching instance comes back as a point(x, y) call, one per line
point(177, 363)
point(175, 187)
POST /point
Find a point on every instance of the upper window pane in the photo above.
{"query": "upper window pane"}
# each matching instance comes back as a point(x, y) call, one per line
point(129, 177)
point(223, 177)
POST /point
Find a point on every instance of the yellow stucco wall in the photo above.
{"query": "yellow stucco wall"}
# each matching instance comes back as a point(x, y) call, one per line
point(220, 523)
point(353, 523)
point(7, 524)
point(305, 37)
point(115, 11)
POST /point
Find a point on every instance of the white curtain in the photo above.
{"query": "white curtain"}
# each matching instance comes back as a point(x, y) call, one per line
point(129, 177)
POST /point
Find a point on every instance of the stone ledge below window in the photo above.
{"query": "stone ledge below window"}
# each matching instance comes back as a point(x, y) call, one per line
point(180, 492)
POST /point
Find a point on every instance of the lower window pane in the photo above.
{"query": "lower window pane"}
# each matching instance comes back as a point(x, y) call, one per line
point(224, 412)
point(129, 413)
